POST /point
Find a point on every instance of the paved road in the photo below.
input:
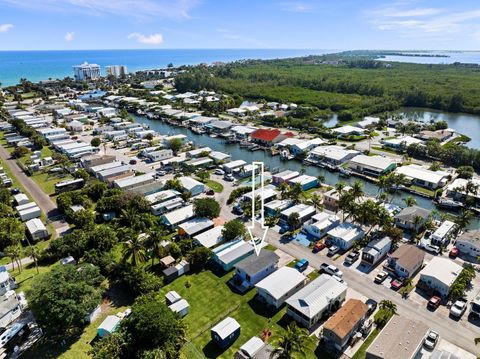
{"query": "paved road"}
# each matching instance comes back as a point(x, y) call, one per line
point(459, 333)
point(41, 198)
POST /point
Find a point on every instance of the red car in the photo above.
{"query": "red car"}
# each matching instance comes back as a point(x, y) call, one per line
point(319, 245)
point(434, 302)
point(453, 252)
point(396, 284)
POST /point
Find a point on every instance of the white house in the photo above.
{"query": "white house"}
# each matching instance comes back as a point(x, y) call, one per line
point(280, 285)
point(36, 229)
point(439, 275)
point(321, 223)
point(348, 130)
point(376, 250)
point(178, 216)
point(469, 243)
point(160, 155)
point(10, 309)
point(305, 212)
point(192, 185)
point(443, 234)
point(210, 238)
point(421, 176)
point(345, 235)
point(335, 155)
point(403, 141)
point(372, 165)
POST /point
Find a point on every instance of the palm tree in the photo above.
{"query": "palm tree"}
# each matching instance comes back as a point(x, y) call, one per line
point(316, 201)
point(283, 188)
point(291, 343)
point(154, 244)
point(463, 219)
point(134, 250)
point(370, 136)
point(410, 201)
point(417, 224)
point(34, 253)
point(14, 252)
point(388, 305)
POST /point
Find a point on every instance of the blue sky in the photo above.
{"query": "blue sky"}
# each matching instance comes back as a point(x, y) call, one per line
point(306, 24)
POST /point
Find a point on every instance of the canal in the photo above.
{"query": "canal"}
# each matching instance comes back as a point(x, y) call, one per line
point(275, 163)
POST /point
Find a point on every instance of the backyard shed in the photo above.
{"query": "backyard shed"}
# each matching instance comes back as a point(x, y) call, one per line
point(225, 332)
point(172, 297)
point(180, 307)
point(108, 326)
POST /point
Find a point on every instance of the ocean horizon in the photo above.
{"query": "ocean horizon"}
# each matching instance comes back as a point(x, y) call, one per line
point(38, 65)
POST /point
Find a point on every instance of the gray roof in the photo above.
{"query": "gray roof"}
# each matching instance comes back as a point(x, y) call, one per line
point(409, 213)
point(254, 264)
point(230, 256)
point(443, 354)
point(8, 304)
point(472, 236)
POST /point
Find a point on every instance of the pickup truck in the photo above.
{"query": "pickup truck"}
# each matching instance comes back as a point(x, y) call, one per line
point(352, 257)
point(458, 308)
point(330, 269)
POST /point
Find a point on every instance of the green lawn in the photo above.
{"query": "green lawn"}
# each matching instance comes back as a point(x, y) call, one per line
point(362, 351)
point(216, 186)
point(426, 191)
point(211, 300)
point(26, 277)
point(47, 181)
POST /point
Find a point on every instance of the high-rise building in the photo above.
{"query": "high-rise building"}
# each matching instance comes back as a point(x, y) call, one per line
point(117, 70)
point(86, 71)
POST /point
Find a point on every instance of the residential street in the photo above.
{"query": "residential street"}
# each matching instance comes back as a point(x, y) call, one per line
point(460, 333)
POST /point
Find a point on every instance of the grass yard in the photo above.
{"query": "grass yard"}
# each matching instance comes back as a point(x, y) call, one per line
point(211, 300)
point(26, 277)
point(47, 181)
point(362, 351)
point(216, 186)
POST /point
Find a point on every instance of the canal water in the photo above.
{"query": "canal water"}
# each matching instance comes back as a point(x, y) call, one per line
point(274, 163)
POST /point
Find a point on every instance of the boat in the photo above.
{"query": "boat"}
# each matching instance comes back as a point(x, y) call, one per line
point(343, 172)
point(285, 155)
point(255, 148)
point(198, 131)
point(244, 144)
point(449, 203)
point(213, 135)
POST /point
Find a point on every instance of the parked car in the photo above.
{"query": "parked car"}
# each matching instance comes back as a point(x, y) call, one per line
point(228, 177)
point(15, 190)
point(338, 279)
point(301, 265)
point(330, 269)
point(396, 283)
point(431, 248)
point(161, 173)
point(219, 171)
point(133, 162)
point(210, 192)
point(352, 257)
point(458, 308)
point(434, 303)
point(372, 305)
point(453, 252)
point(333, 250)
point(380, 277)
point(318, 246)
point(238, 210)
point(283, 229)
point(431, 340)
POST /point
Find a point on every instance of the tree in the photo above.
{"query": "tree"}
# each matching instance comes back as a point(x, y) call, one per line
point(463, 220)
point(96, 142)
point(110, 347)
point(20, 151)
point(465, 172)
point(34, 253)
point(293, 220)
point(410, 201)
point(14, 252)
point(63, 298)
point(206, 207)
point(233, 229)
point(388, 305)
point(134, 250)
point(291, 343)
point(154, 244)
point(199, 257)
point(175, 144)
point(203, 176)
point(295, 192)
point(316, 201)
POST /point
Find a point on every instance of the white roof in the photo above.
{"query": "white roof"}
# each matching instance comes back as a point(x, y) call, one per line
point(344, 130)
point(302, 209)
point(422, 173)
point(4, 276)
point(35, 225)
point(179, 305)
point(219, 155)
point(316, 295)
point(346, 231)
point(336, 153)
point(309, 143)
point(134, 180)
point(303, 179)
point(324, 220)
point(226, 327)
point(172, 296)
point(267, 194)
point(179, 215)
point(161, 196)
point(244, 130)
point(290, 141)
point(199, 151)
point(408, 140)
point(235, 164)
point(195, 225)
point(252, 346)
point(281, 281)
point(189, 183)
point(443, 269)
point(109, 323)
point(211, 237)
point(458, 186)
point(378, 162)
point(286, 175)
point(443, 230)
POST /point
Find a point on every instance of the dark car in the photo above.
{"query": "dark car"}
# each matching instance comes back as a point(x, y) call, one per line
point(15, 190)
point(238, 210)
point(372, 305)
point(318, 246)
point(210, 192)
point(132, 162)
point(283, 230)
point(434, 303)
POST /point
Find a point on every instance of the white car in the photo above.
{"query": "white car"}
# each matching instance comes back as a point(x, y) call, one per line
point(431, 248)
point(431, 340)
point(458, 308)
point(219, 171)
point(332, 270)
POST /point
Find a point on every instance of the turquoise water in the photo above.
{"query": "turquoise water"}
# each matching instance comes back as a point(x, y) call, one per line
point(42, 65)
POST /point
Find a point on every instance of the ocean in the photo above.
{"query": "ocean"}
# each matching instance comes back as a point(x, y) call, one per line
point(42, 65)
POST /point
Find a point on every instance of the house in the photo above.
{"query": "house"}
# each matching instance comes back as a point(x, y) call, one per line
point(407, 218)
point(376, 250)
point(192, 185)
point(75, 126)
point(210, 238)
point(268, 137)
point(234, 166)
point(368, 122)
point(423, 177)
point(348, 130)
point(443, 234)
point(194, 227)
point(405, 261)
point(373, 166)
point(28, 211)
point(305, 146)
point(108, 326)
point(253, 269)
point(180, 307)
point(401, 142)
point(335, 155)
point(133, 182)
point(344, 324)
point(198, 163)
point(20, 199)
point(219, 157)
point(178, 216)
point(36, 229)
point(10, 309)
point(331, 198)
point(321, 223)
point(269, 195)
point(275, 289)
point(7, 283)
point(284, 176)
point(316, 300)
point(88, 162)
point(242, 132)
point(114, 171)
point(305, 212)
point(226, 332)
point(255, 348)
point(275, 207)
point(401, 338)
point(198, 152)
point(306, 182)
point(439, 275)
point(345, 235)
point(440, 135)
point(161, 196)
point(469, 243)
point(229, 254)
point(160, 155)
point(456, 189)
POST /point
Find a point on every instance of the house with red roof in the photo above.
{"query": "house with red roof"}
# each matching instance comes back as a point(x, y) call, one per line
point(269, 136)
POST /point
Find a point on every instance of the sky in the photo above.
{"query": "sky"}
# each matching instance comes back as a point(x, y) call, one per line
point(207, 24)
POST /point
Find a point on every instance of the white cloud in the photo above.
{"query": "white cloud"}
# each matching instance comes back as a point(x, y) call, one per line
point(230, 35)
point(69, 36)
point(153, 39)
point(135, 8)
point(295, 6)
point(5, 27)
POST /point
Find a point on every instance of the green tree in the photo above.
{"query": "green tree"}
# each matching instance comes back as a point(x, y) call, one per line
point(96, 142)
point(293, 220)
point(206, 207)
point(110, 347)
point(134, 250)
point(203, 176)
point(63, 298)
point(465, 172)
point(233, 229)
point(20, 151)
point(175, 144)
point(291, 343)
point(199, 257)
point(410, 201)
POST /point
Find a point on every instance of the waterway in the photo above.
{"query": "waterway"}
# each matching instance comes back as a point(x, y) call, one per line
point(274, 163)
